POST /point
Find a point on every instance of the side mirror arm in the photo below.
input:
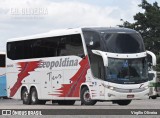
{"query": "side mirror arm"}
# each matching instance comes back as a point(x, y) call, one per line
point(104, 56)
point(154, 60)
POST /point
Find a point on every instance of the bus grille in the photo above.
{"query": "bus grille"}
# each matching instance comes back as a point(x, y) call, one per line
point(129, 90)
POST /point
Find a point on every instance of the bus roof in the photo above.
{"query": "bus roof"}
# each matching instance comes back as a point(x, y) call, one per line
point(111, 30)
point(69, 31)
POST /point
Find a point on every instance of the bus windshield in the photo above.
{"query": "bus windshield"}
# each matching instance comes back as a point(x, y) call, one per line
point(126, 71)
point(124, 43)
point(114, 42)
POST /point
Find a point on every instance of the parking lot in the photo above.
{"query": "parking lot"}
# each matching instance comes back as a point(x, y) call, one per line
point(137, 105)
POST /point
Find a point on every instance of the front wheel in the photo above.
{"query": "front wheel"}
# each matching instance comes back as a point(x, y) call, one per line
point(154, 97)
point(123, 102)
point(86, 97)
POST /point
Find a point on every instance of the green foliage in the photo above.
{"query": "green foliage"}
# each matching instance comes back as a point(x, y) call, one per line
point(148, 25)
point(158, 63)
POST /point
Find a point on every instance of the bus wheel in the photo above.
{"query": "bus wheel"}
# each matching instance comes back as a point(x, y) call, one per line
point(86, 97)
point(25, 96)
point(123, 102)
point(34, 97)
point(154, 97)
point(66, 102)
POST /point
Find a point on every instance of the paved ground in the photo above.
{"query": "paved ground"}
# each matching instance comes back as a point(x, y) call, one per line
point(135, 104)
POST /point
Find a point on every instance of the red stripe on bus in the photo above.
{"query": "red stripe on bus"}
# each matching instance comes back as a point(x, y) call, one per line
point(72, 90)
point(25, 68)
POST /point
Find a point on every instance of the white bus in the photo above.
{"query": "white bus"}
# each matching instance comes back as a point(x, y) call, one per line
point(87, 64)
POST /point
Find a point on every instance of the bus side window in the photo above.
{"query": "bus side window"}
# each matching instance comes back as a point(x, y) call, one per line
point(20, 50)
point(11, 50)
point(76, 43)
point(46, 47)
point(97, 66)
point(62, 51)
point(71, 45)
point(2, 60)
point(93, 41)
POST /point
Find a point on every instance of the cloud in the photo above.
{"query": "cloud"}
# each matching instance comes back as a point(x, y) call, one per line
point(80, 14)
point(59, 13)
point(64, 14)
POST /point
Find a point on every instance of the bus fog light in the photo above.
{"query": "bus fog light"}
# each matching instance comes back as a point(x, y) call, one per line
point(109, 95)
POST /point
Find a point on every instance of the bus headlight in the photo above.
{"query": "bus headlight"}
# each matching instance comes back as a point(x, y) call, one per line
point(111, 87)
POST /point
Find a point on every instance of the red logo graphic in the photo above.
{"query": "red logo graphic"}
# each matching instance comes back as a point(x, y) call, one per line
point(72, 90)
point(25, 68)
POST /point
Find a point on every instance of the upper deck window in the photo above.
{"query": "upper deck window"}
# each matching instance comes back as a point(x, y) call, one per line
point(92, 39)
point(66, 45)
point(124, 43)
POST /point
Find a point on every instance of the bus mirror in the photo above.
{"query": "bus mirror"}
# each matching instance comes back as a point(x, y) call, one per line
point(153, 63)
point(104, 56)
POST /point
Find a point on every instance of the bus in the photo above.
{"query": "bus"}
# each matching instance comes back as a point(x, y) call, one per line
point(86, 64)
point(3, 90)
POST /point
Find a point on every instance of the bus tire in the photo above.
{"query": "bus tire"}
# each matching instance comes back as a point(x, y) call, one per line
point(25, 97)
point(153, 97)
point(34, 97)
point(85, 97)
point(123, 102)
point(66, 102)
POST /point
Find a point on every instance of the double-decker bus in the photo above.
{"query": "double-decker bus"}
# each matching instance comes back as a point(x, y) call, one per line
point(87, 64)
point(3, 91)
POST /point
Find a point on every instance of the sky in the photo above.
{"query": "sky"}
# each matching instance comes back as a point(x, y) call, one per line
point(27, 17)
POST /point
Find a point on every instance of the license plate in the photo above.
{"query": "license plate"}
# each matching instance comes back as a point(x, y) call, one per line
point(130, 96)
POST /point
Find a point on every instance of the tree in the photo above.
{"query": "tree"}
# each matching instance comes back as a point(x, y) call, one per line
point(148, 25)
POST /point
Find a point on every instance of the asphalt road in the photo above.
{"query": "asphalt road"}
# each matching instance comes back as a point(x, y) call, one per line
point(135, 104)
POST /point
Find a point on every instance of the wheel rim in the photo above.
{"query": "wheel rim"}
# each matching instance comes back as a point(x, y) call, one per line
point(33, 96)
point(25, 96)
point(87, 96)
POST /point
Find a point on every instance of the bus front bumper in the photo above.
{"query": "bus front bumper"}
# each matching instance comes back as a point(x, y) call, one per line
point(122, 95)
